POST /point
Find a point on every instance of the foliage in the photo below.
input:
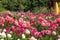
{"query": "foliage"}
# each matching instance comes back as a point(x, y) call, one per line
point(18, 5)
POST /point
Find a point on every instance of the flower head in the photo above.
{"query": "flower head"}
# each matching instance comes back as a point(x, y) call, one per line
point(54, 33)
point(32, 38)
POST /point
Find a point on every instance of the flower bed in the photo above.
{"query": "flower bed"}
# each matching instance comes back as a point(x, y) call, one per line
point(29, 26)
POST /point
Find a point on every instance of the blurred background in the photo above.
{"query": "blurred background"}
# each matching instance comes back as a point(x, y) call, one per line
point(36, 6)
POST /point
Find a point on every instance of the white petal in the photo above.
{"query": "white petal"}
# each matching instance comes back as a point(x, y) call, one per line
point(58, 39)
point(9, 35)
point(18, 39)
point(33, 38)
point(4, 30)
point(23, 35)
point(2, 39)
point(3, 35)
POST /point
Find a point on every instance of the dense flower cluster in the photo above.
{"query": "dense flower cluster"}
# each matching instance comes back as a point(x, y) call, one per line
point(29, 26)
